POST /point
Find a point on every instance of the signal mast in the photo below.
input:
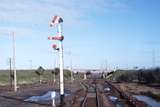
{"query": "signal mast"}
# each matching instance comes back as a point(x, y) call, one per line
point(57, 21)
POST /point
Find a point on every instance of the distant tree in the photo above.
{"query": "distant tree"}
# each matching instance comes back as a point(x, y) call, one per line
point(156, 75)
point(143, 75)
point(88, 73)
point(140, 75)
point(54, 73)
point(40, 72)
point(148, 76)
point(135, 68)
point(123, 78)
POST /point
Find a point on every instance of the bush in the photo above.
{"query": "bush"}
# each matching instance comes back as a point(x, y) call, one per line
point(142, 75)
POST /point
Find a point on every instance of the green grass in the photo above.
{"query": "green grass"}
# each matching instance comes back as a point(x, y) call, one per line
point(29, 76)
point(4, 77)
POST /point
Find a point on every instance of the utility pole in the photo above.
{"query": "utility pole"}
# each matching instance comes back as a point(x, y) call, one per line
point(54, 71)
point(70, 54)
point(106, 65)
point(153, 58)
point(10, 69)
point(30, 64)
point(14, 62)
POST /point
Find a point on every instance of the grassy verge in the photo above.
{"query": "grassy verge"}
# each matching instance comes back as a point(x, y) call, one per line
point(29, 76)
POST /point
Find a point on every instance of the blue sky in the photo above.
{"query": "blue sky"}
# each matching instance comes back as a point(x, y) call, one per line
point(121, 33)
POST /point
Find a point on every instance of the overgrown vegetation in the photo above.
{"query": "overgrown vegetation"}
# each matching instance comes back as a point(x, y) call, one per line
point(141, 75)
point(32, 76)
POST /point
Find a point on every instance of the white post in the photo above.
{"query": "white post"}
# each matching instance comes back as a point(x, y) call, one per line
point(10, 66)
point(14, 63)
point(85, 77)
point(61, 60)
point(30, 64)
point(53, 95)
point(54, 75)
point(58, 21)
point(71, 67)
point(53, 103)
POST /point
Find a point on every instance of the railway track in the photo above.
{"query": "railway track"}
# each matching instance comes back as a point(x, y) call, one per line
point(129, 99)
point(97, 96)
point(101, 93)
point(91, 98)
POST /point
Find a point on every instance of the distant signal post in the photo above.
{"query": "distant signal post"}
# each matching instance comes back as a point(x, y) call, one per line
point(14, 76)
point(58, 22)
point(14, 63)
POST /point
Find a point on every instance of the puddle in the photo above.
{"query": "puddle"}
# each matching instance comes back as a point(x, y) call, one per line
point(118, 105)
point(115, 101)
point(107, 89)
point(150, 101)
point(113, 98)
point(47, 97)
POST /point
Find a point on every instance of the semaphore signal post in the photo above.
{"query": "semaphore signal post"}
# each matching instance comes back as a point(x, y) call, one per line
point(57, 21)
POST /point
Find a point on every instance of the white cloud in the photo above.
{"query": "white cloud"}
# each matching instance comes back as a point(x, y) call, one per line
point(25, 17)
point(22, 16)
point(28, 10)
point(31, 18)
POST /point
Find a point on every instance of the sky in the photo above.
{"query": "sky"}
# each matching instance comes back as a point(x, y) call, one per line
point(97, 33)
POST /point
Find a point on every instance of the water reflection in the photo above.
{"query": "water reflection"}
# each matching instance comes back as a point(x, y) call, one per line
point(115, 101)
point(113, 98)
point(45, 97)
point(150, 101)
